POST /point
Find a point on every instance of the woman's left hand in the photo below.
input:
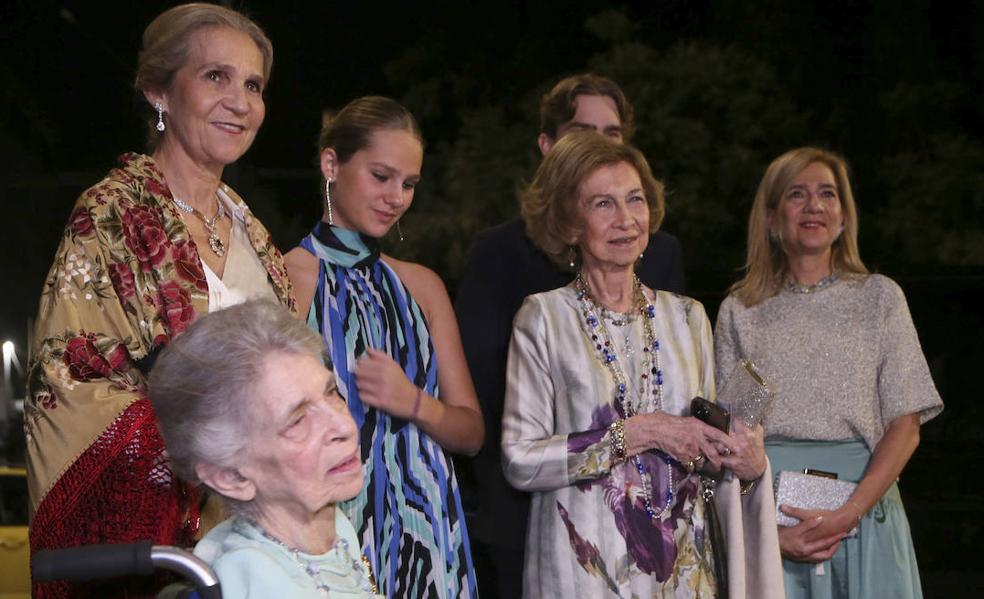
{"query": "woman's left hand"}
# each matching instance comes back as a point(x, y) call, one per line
point(383, 385)
point(747, 454)
point(839, 522)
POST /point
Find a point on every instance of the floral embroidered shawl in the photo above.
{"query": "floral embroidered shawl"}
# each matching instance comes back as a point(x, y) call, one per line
point(125, 280)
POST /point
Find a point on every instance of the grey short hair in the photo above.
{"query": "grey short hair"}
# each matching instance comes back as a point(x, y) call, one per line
point(202, 385)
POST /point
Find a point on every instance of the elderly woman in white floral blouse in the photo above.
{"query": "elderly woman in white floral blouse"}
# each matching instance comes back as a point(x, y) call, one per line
point(599, 382)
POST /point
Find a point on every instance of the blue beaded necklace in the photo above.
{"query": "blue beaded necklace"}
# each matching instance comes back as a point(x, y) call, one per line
point(650, 396)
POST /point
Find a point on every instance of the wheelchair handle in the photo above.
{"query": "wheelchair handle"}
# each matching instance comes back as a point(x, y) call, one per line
point(91, 562)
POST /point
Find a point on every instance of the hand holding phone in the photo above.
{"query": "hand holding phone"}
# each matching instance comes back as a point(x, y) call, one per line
point(711, 413)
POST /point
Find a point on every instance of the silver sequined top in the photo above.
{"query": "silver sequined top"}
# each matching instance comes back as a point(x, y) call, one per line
point(845, 360)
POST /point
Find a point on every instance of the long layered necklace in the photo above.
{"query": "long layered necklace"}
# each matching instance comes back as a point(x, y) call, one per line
point(649, 396)
point(313, 568)
point(214, 241)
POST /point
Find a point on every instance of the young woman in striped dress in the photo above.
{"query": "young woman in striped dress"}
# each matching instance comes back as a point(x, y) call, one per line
point(393, 339)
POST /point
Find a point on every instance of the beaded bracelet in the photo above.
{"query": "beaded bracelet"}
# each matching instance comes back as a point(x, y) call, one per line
point(616, 432)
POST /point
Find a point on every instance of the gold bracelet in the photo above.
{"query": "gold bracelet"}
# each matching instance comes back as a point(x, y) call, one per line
point(616, 432)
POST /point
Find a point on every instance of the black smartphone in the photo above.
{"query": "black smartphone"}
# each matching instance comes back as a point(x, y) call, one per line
point(711, 413)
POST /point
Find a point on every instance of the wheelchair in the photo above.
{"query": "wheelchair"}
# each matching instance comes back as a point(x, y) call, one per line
point(94, 562)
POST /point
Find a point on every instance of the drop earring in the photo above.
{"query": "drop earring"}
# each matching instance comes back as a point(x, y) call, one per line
point(399, 230)
point(571, 256)
point(331, 220)
point(160, 116)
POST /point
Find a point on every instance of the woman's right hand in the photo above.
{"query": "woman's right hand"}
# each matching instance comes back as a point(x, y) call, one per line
point(801, 544)
point(383, 385)
point(683, 438)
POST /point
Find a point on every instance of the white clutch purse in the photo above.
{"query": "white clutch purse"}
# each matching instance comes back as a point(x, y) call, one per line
point(810, 492)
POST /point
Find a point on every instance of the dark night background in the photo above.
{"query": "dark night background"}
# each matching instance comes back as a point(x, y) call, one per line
point(720, 89)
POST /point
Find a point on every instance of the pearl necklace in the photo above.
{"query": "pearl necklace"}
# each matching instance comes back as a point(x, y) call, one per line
point(214, 241)
point(645, 402)
point(361, 569)
point(823, 283)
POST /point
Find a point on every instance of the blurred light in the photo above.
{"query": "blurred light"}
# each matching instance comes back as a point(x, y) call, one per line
point(8, 350)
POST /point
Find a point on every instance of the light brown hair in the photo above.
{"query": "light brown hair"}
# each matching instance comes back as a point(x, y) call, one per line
point(550, 204)
point(767, 265)
point(351, 129)
point(165, 47)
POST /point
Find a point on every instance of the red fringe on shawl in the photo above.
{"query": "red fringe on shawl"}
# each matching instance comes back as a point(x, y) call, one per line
point(120, 490)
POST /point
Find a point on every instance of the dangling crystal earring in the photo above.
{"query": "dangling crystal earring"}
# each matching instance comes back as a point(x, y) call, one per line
point(571, 256)
point(331, 220)
point(399, 230)
point(160, 116)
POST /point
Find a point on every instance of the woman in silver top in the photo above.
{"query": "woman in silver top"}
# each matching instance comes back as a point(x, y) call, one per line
point(852, 383)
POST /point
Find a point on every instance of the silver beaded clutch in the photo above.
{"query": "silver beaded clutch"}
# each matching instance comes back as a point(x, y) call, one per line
point(746, 394)
point(809, 492)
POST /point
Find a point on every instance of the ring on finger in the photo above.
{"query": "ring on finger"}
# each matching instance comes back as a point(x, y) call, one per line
point(726, 451)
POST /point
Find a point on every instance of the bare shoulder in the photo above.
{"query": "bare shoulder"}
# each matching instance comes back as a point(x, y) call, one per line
point(302, 269)
point(424, 284)
point(301, 265)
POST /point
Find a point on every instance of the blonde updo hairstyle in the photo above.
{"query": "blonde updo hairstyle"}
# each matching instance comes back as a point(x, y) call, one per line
point(550, 204)
point(767, 265)
point(350, 129)
point(165, 48)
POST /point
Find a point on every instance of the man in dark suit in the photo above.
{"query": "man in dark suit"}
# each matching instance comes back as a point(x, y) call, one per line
point(503, 268)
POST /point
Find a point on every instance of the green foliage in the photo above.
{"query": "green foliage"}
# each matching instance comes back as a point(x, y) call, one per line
point(931, 177)
point(612, 26)
point(935, 205)
point(710, 119)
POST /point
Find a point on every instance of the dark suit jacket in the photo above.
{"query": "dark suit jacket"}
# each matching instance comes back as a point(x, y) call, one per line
point(503, 268)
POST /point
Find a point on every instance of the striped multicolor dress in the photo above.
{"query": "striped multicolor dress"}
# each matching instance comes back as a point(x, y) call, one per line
point(408, 514)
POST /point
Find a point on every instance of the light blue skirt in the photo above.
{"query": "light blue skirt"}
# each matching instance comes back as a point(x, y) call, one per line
point(880, 561)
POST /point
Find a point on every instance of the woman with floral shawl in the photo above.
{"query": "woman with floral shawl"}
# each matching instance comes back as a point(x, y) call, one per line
point(158, 241)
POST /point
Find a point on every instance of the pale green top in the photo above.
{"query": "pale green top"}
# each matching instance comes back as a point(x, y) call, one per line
point(251, 566)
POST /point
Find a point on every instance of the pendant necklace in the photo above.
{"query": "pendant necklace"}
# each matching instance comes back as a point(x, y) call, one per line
point(649, 396)
point(624, 323)
point(361, 574)
point(214, 241)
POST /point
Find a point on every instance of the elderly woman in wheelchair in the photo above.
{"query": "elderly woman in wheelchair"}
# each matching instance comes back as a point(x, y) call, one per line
point(247, 407)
